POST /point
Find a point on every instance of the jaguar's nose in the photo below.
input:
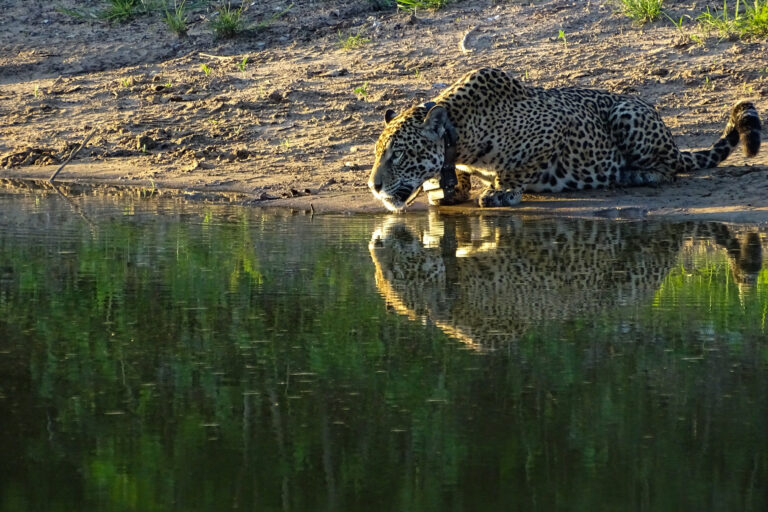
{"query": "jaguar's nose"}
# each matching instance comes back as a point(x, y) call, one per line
point(375, 185)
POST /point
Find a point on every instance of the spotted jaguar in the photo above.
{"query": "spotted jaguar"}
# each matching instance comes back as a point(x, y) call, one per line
point(516, 138)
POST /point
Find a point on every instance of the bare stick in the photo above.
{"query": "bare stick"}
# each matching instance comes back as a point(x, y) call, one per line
point(220, 57)
point(71, 156)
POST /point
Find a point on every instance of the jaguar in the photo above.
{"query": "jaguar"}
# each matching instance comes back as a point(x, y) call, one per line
point(517, 138)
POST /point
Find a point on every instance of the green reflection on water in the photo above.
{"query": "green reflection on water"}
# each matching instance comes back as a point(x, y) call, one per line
point(165, 356)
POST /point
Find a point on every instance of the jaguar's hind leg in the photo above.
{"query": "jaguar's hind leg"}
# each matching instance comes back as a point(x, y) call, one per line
point(634, 177)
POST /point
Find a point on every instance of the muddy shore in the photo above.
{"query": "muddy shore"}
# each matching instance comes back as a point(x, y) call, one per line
point(295, 125)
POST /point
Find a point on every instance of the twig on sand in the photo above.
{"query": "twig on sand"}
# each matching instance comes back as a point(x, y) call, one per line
point(71, 156)
point(463, 42)
point(220, 57)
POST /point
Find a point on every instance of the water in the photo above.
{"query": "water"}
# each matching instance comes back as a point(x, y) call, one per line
point(160, 355)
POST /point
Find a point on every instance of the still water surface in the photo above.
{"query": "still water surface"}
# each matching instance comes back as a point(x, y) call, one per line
point(166, 356)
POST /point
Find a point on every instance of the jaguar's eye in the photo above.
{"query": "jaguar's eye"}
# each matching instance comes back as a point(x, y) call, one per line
point(397, 157)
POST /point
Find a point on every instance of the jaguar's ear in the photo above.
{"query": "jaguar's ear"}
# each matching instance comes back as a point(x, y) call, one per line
point(389, 115)
point(434, 123)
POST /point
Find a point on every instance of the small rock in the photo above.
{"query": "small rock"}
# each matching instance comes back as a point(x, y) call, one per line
point(198, 164)
point(145, 142)
point(242, 154)
point(276, 97)
point(337, 72)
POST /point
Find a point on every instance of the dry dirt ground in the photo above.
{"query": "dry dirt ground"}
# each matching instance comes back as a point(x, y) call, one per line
point(298, 124)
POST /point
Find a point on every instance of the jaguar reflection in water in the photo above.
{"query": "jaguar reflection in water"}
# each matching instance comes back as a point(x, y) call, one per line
point(487, 281)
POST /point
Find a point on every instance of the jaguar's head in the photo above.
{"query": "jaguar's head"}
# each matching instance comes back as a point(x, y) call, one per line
point(416, 146)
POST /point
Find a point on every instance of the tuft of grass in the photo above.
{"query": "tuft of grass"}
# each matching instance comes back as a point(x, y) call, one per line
point(229, 22)
point(720, 21)
point(115, 10)
point(642, 11)
point(418, 5)
point(205, 68)
point(121, 10)
point(177, 20)
point(361, 91)
point(352, 41)
point(678, 24)
point(745, 20)
point(241, 65)
point(561, 36)
point(684, 35)
point(755, 22)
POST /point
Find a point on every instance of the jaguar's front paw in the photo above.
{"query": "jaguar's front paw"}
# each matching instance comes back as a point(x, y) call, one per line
point(491, 198)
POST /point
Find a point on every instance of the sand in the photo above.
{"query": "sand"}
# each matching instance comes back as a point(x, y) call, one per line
point(297, 125)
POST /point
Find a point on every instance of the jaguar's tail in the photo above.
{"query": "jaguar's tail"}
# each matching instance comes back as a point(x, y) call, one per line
point(743, 125)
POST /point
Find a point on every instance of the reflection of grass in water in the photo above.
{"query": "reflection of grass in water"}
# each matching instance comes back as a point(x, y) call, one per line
point(235, 346)
point(705, 287)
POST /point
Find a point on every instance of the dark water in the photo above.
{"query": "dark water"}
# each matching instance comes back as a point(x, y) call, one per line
point(166, 356)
